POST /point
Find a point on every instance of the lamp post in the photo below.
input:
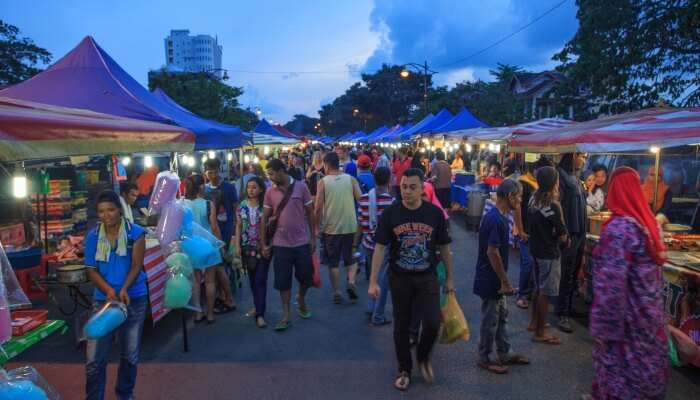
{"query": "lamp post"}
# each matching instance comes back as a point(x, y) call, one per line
point(405, 73)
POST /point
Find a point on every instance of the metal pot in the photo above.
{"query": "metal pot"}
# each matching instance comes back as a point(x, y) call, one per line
point(475, 205)
point(72, 274)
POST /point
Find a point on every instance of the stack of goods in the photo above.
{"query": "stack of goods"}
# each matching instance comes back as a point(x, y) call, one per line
point(80, 215)
point(59, 208)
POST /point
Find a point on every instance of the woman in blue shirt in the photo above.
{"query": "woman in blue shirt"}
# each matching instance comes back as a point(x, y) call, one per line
point(114, 256)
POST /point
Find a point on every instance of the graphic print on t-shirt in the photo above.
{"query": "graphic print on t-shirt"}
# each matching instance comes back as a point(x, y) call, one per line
point(413, 252)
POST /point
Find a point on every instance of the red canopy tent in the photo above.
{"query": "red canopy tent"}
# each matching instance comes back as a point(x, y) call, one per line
point(31, 130)
point(632, 131)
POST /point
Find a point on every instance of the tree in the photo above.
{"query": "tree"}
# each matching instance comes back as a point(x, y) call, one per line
point(303, 124)
point(382, 98)
point(18, 56)
point(630, 54)
point(204, 95)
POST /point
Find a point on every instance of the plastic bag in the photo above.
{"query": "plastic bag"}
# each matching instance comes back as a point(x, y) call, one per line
point(199, 231)
point(169, 224)
point(26, 383)
point(199, 251)
point(442, 275)
point(164, 191)
point(9, 287)
point(187, 218)
point(107, 319)
point(455, 326)
point(179, 263)
point(178, 291)
point(673, 353)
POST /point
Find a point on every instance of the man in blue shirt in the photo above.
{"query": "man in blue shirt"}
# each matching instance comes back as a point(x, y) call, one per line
point(223, 195)
point(364, 176)
point(491, 280)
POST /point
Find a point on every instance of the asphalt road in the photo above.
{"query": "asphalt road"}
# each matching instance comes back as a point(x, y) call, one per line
point(335, 355)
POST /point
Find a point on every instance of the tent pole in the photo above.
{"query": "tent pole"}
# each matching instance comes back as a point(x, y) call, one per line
point(656, 180)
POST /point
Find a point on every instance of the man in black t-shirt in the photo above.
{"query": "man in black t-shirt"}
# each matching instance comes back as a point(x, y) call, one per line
point(414, 230)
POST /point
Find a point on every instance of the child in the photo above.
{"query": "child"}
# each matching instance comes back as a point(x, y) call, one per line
point(204, 214)
point(247, 244)
point(491, 280)
point(546, 229)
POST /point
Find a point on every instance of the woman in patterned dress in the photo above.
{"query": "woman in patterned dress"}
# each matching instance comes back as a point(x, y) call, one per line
point(627, 316)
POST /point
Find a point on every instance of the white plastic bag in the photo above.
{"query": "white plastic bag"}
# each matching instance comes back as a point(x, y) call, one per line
point(26, 383)
point(9, 286)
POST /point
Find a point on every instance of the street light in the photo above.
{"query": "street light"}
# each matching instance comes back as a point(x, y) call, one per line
point(405, 73)
point(223, 77)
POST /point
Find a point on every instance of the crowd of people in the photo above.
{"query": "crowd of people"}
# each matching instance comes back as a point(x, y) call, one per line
point(388, 211)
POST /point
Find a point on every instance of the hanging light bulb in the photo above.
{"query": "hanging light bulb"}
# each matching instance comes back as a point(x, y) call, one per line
point(148, 161)
point(256, 159)
point(204, 159)
point(246, 158)
point(229, 156)
point(191, 161)
point(19, 185)
point(212, 154)
point(126, 160)
point(469, 148)
point(266, 150)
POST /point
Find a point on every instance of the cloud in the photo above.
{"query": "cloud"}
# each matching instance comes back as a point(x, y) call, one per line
point(444, 31)
point(253, 99)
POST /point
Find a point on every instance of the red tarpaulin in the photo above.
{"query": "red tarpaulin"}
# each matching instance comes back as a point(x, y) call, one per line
point(633, 131)
point(31, 130)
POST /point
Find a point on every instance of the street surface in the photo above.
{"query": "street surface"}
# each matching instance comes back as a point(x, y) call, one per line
point(335, 355)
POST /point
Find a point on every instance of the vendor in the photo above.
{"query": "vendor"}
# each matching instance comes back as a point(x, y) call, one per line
point(130, 193)
point(664, 196)
point(457, 163)
point(494, 177)
point(595, 198)
point(114, 256)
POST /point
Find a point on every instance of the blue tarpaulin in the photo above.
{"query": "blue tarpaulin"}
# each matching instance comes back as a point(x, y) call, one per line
point(440, 119)
point(374, 134)
point(407, 133)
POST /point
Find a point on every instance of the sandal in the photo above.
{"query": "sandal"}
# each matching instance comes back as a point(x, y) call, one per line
point(198, 319)
point(493, 368)
point(337, 299)
point(304, 313)
point(427, 371)
point(352, 294)
point(251, 313)
point(516, 359)
point(522, 303)
point(224, 308)
point(260, 322)
point(551, 340)
point(282, 326)
point(403, 379)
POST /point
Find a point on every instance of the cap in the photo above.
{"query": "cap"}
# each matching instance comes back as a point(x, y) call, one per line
point(364, 162)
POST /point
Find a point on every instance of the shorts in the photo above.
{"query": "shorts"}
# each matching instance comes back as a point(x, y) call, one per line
point(547, 275)
point(296, 259)
point(337, 247)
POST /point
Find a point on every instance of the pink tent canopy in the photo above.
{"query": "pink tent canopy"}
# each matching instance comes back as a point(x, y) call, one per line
point(31, 130)
point(507, 132)
point(632, 131)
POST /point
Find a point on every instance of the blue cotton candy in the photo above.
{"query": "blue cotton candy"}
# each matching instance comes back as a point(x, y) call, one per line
point(179, 263)
point(178, 291)
point(21, 390)
point(187, 221)
point(199, 251)
point(104, 322)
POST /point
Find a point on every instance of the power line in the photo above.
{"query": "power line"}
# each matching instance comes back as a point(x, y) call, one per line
point(496, 43)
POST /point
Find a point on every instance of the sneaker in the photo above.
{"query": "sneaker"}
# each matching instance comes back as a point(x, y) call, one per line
point(565, 325)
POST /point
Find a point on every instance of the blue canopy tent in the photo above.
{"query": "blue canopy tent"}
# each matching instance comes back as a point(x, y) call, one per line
point(463, 120)
point(210, 135)
point(389, 133)
point(374, 134)
point(264, 127)
point(406, 134)
point(397, 134)
point(439, 119)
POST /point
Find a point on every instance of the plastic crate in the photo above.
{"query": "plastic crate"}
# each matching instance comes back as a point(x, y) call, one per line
point(24, 321)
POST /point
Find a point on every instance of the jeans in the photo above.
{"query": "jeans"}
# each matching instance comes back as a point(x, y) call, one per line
point(571, 259)
point(376, 306)
point(129, 336)
point(423, 291)
point(258, 269)
point(494, 327)
point(525, 281)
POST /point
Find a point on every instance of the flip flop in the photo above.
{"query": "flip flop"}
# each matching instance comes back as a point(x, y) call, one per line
point(352, 294)
point(516, 359)
point(282, 326)
point(223, 309)
point(306, 314)
point(551, 340)
point(494, 368)
point(337, 299)
point(522, 303)
point(402, 381)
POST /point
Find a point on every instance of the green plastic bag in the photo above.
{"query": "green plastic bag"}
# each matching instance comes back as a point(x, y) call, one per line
point(442, 275)
point(455, 326)
point(673, 353)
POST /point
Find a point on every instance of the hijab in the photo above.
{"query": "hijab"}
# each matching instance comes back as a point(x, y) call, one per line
point(625, 199)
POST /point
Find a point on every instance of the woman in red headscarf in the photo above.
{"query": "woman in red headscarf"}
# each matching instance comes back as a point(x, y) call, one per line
point(627, 315)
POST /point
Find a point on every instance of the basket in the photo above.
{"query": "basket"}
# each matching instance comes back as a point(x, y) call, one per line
point(25, 320)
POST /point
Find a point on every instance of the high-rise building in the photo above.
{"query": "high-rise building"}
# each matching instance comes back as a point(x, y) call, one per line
point(199, 53)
